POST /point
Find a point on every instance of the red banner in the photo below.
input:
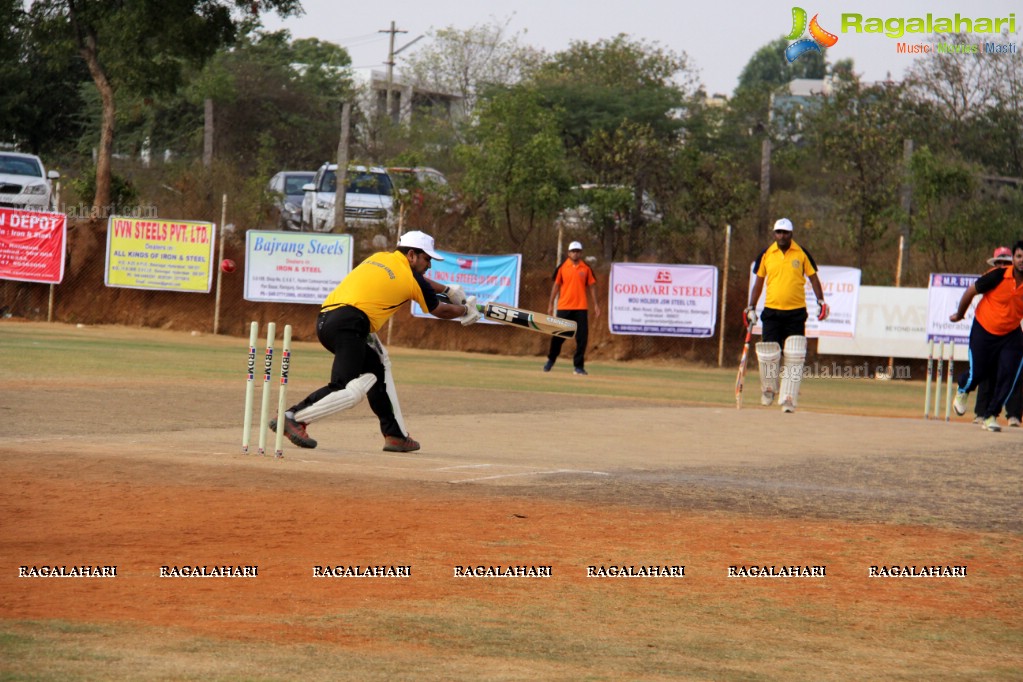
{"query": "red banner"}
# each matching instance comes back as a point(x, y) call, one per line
point(32, 245)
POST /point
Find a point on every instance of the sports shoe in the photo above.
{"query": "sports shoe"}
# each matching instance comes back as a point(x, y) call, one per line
point(547, 365)
point(1014, 422)
point(959, 404)
point(581, 372)
point(978, 419)
point(295, 431)
point(767, 398)
point(398, 444)
point(991, 424)
point(787, 405)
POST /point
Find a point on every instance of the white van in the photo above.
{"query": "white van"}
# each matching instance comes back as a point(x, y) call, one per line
point(369, 198)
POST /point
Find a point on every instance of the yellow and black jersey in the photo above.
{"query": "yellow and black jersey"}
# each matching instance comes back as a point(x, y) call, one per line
point(380, 285)
point(785, 274)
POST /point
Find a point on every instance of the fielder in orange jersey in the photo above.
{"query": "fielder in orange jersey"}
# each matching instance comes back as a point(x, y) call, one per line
point(574, 284)
point(996, 340)
point(347, 325)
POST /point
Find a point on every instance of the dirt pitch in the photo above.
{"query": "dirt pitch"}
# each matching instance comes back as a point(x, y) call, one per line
point(122, 448)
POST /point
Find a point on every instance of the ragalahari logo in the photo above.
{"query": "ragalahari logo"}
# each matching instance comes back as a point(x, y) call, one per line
point(819, 38)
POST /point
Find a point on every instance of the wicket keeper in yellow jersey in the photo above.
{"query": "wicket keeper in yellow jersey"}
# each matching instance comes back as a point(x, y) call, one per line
point(784, 268)
point(347, 324)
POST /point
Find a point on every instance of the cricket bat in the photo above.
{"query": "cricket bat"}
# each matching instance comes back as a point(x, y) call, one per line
point(741, 378)
point(528, 319)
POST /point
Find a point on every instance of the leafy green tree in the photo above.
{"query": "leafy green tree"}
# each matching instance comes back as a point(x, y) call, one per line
point(40, 106)
point(856, 136)
point(143, 45)
point(515, 162)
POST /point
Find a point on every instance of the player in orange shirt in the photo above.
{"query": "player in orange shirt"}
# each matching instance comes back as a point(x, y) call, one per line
point(996, 340)
point(573, 284)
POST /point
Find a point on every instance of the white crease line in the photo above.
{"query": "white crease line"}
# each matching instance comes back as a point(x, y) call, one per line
point(532, 473)
point(465, 466)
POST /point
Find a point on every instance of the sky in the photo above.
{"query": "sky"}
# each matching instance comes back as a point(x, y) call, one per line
point(719, 37)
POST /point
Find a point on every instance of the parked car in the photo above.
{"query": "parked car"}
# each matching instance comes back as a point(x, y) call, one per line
point(24, 182)
point(594, 205)
point(422, 192)
point(285, 188)
point(369, 198)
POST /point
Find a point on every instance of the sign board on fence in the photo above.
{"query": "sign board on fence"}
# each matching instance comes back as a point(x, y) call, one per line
point(295, 267)
point(891, 322)
point(491, 279)
point(663, 300)
point(841, 288)
point(32, 245)
point(166, 255)
point(944, 292)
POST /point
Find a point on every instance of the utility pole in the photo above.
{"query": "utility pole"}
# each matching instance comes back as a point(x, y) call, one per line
point(391, 54)
point(390, 68)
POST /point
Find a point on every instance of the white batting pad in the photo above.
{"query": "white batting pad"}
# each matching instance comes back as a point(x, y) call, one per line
point(768, 355)
point(345, 399)
point(792, 371)
point(392, 390)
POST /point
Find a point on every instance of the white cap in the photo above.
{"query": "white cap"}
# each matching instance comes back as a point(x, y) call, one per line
point(419, 240)
point(783, 225)
point(575, 246)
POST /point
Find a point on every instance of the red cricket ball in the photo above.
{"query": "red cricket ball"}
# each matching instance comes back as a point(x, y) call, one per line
point(227, 265)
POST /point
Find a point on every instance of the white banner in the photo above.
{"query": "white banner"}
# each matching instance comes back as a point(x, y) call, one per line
point(295, 267)
point(841, 287)
point(944, 292)
point(891, 322)
point(663, 300)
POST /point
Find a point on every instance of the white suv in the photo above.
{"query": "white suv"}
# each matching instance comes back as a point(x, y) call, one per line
point(24, 182)
point(369, 198)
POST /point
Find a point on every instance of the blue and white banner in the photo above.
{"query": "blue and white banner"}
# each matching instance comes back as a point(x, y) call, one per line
point(944, 291)
point(295, 267)
point(663, 300)
point(491, 279)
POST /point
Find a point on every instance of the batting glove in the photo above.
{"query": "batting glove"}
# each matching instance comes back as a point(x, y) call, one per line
point(455, 294)
point(824, 311)
point(472, 315)
point(749, 317)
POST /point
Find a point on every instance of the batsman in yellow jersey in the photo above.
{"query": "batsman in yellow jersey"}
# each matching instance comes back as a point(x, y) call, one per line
point(784, 267)
point(347, 324)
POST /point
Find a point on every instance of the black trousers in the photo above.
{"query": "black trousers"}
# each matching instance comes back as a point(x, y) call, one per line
point(993, 358)
point(1013, 406)
point(582, 335)
point(343, 332)
point(779, 325)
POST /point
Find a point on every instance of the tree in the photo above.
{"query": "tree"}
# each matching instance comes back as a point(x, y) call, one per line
point(467, 62)
point(144, 45)
point(856, 135)
point(515, 162)
point(41, 103)
point(622, 107)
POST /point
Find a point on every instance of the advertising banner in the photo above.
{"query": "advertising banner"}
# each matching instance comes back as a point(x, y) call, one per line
point(165, 255)
point(491, 279)
point(32, 246)
point(295, 267)
point(944, 291)
point(663, 300)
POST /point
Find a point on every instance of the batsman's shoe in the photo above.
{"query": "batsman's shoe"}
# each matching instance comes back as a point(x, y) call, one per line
point(1014, 421)
point(767, 398)
point(787, 405)
point(991, 424)
point(547, 365)
point(295, 431)
point(959, 404)
point(581, 372)
point(399, 444)
point(978, 419)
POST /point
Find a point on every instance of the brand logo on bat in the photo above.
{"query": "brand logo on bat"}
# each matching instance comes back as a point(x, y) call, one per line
point(497, 312)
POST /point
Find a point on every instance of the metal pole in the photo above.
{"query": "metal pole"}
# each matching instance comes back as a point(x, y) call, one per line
point(220, 270)
point(724, 297)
